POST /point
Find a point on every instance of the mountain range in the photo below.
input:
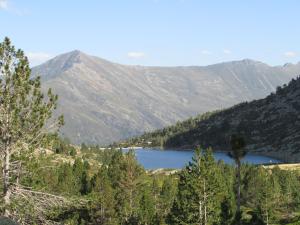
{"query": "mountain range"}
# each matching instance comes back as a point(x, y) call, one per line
point(270, 126)
point(105, 102)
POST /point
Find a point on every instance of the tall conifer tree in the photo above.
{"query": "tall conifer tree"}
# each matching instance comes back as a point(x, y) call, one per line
point(24, 113)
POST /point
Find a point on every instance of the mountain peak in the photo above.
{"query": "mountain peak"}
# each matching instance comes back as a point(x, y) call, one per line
point(77, 56)
point(64, 62)
point(61, 63)
point(247, 60)
point(74, 56)
point(77, 53)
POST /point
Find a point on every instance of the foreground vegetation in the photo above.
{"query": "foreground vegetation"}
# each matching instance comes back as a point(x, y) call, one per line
point(120, 191)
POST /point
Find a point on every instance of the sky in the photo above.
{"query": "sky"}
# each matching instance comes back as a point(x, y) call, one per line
point(155, 32)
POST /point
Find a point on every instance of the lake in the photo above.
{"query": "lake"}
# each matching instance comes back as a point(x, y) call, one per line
point(157, 158)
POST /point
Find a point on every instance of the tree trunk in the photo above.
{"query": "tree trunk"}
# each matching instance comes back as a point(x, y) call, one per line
point(200, 212)
point(239, 187)
point(6, 184)
point(205, 215)
point(267, 212)
point(130, 202)
point(205, 204)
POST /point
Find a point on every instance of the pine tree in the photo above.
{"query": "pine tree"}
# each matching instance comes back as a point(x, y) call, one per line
point(262, 194)
point(290, 186)
point(115, 167)
point(66, 179)
point(78, 175)
point(226, 211)
point(125, 172)
point(237, 153)
point(200, 192)
point(146, 207)
point(24, 112)
point(85, 184)
point(167, 197)
point(156, 193)
point(269, 202)
point(103, 199)
point(228, 205)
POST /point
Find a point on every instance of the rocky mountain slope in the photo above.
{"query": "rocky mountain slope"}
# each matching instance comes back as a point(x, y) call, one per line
point(270, 126)
point(104, 101)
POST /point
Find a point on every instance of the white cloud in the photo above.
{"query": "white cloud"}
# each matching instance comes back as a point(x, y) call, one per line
point(226, 51)
point(36, 58)
point(4, 4)
point(206, 52)
point(136, 55)
point(290, 54)
point(8, 6)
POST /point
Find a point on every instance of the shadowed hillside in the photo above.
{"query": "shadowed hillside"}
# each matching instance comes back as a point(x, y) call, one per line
point(271, 126)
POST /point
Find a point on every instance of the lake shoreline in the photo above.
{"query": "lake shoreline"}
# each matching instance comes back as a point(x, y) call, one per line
point(251, 152)
point(158, 158)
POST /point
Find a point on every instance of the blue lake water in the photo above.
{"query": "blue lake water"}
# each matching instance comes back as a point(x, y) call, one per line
point(157, 158)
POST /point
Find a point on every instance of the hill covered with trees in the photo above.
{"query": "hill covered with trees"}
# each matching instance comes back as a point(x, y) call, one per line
point(271, 126)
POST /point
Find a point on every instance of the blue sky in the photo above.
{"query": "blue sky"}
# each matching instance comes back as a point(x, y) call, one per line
point(156, 32)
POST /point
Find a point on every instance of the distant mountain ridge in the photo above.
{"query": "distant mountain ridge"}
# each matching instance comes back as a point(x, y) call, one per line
point(270, 126)
point(105, 102)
